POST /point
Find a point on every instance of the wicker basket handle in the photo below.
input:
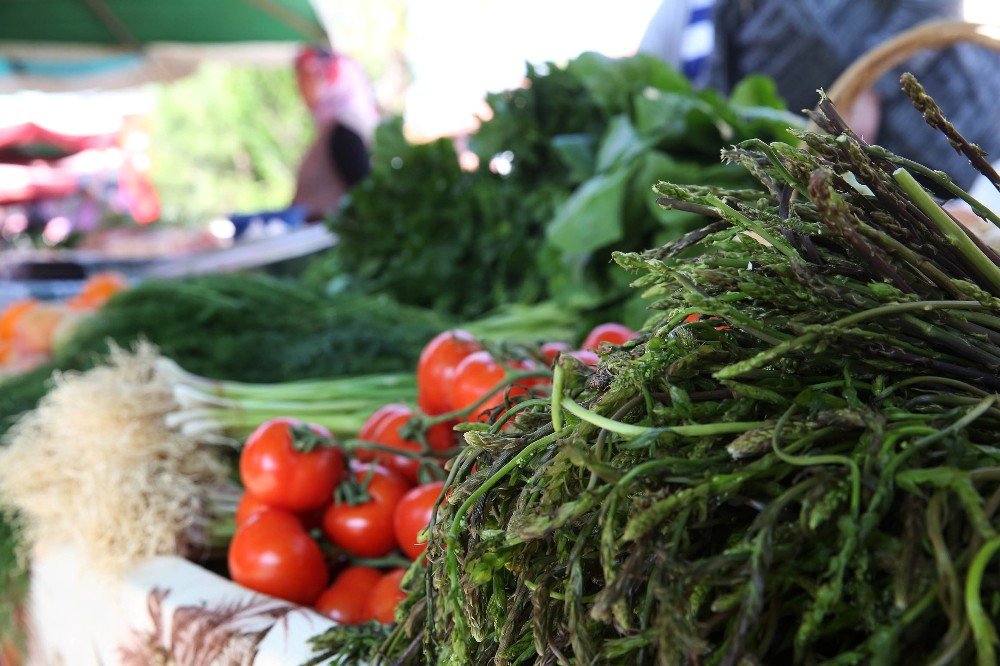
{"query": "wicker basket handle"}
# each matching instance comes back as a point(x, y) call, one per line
point(888, 55)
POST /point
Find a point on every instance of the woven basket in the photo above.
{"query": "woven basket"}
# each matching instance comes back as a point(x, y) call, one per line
point(885, 57)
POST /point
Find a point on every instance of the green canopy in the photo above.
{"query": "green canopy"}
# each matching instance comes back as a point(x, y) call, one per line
point(134, 23)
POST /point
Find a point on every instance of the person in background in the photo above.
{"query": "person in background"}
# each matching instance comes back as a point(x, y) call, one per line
point(682, 33)
point(342, 102)
point(804, 45)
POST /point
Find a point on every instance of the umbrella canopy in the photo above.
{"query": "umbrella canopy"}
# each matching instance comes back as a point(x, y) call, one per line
point(134, 23)
point(57, 45)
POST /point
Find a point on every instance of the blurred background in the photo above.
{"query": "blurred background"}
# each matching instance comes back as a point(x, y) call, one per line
point(186, 143)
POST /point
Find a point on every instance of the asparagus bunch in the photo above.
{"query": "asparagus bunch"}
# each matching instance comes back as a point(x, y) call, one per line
point(798, 462)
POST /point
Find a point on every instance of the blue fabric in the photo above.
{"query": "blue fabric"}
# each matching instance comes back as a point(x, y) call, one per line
point(290, 218)
point(697, 41)
point(694, 68)
point(701, 14)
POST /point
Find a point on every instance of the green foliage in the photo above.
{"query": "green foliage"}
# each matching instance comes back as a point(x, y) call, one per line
point(258, 329)
point(565, 168)
point(242, 327)
point(433, 235)
point(228, 139)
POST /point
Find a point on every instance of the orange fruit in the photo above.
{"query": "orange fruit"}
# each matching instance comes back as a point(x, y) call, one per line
point(98, 289)
point(12, 314)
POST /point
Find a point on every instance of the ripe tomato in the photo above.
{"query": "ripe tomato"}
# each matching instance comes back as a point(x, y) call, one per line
point(477, 374)
point(413, 513)
point(272, 554)
point(616, 334)
point(385, 596)
point(386, 427)
point(365, 529)
point(249, 507)
point(282, 477)
point(551, 350)
point(436, 369)
point(374, 422)
point(346, 601)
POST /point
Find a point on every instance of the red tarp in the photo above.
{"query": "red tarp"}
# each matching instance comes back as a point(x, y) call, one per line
point(30, 134)
point(21, 183)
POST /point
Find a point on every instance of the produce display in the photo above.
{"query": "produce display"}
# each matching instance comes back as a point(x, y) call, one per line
point(30, 330)
point(331, 523)
point(564, 170)
point(795, 462)
point(534, 412)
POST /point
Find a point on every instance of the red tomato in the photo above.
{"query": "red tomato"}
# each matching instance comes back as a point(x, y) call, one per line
point(413, 513)
point(249, 507)
point(346, 600)
point(365, 529)
point(477, 374)
point(312, 519)
point(551, 350)
point(436, 369)
point(385, 596)
point(616, 334)
point(272, 554)
point(586, 357)
point(389, 424)
point(282, 477)
point(374, 422)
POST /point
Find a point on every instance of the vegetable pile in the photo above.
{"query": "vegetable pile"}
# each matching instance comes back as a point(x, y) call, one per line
point(316, 507)
point(30, 329)
point(212, 325)
point(564, 164)
point(796, 462)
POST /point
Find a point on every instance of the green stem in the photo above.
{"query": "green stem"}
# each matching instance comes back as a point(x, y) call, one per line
point(982, 625)
point(513, 411)
point(392, 560)
point(736, 369)
point(509, 378)
point(734, 216)
point(456, 523)
point(939, 177)
point(558, 376)
point(806, 461)
point(948, 227)
point(629, 430)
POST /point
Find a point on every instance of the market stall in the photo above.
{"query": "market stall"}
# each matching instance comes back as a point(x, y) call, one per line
point(602, 399)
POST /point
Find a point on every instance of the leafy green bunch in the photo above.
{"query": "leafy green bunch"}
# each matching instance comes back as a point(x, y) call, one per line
point(564, 167)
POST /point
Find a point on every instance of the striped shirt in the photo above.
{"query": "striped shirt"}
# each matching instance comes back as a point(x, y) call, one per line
point(697, 41)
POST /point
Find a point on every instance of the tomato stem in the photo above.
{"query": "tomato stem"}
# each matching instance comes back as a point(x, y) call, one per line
point(509, 379)
point(391, 561)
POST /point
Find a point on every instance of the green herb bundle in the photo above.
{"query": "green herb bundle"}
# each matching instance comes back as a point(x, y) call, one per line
point(798, 462)
point(564, 164)
point(250, 328)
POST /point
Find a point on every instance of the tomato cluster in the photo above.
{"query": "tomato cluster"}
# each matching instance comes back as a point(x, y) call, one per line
point(304, 505)
point(310, 498)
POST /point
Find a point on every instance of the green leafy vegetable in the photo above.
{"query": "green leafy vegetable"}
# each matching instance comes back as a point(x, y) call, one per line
point(560, 163)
